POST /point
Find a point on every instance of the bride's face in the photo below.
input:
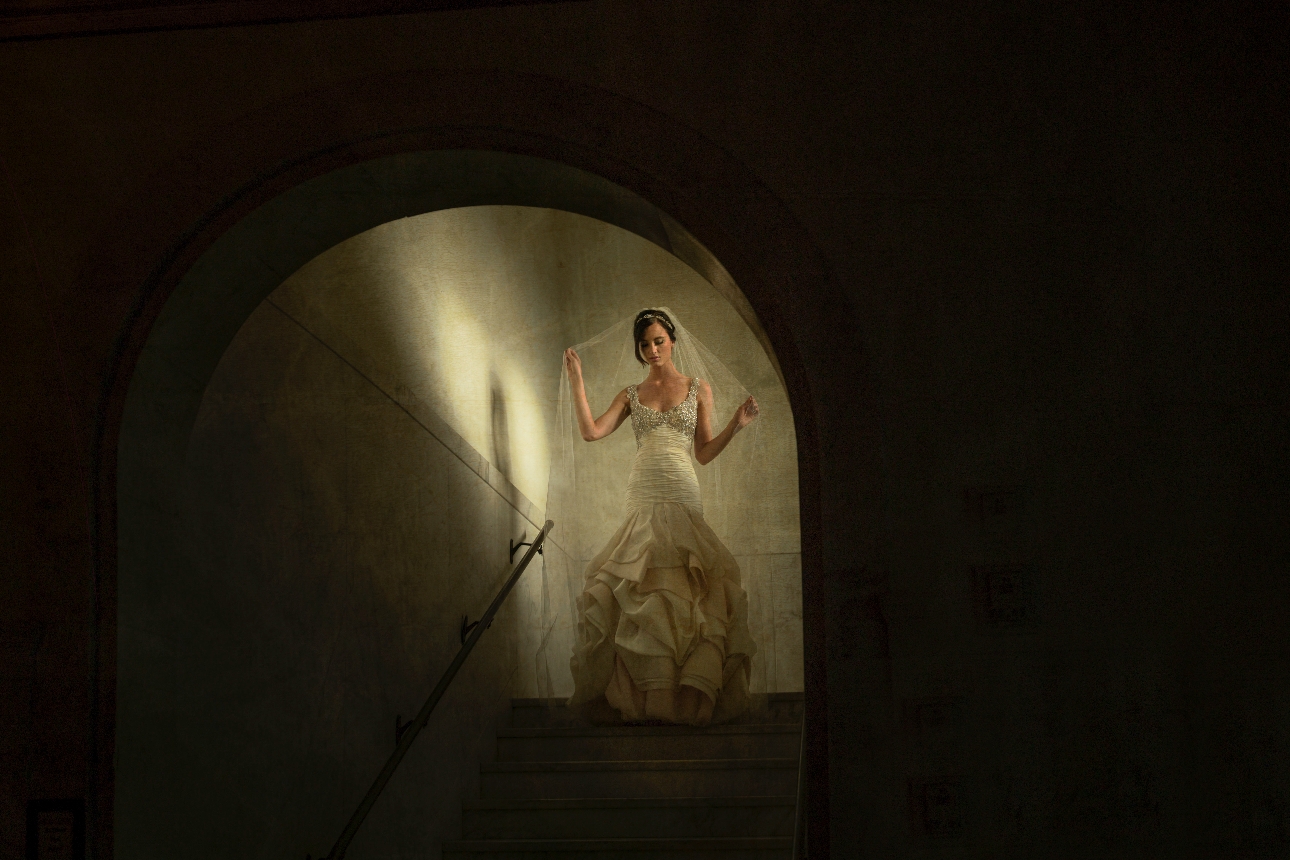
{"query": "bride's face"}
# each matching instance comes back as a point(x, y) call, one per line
point(656, 345)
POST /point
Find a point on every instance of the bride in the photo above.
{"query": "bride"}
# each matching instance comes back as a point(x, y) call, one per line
point(662, 618)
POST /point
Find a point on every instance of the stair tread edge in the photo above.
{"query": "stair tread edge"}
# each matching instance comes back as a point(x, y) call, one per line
point(547, 803)
point(638, 764)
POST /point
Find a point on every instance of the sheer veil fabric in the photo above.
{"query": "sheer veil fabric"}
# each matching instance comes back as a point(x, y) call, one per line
point(684, 546)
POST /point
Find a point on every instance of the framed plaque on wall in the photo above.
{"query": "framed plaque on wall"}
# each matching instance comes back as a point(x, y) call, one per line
point(56, 829)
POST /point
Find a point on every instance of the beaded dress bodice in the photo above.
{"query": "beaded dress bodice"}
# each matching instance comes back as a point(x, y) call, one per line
point(683, 417)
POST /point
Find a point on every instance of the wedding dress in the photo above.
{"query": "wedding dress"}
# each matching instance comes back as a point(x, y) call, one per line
point(662, 631)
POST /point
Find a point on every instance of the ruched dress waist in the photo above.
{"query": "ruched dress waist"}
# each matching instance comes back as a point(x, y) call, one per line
point(664, 472)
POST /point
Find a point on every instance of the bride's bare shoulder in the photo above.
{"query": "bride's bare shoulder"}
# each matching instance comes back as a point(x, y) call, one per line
point(703, 394)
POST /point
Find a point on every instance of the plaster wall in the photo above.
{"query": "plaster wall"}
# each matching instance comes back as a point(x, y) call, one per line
point(329, 549)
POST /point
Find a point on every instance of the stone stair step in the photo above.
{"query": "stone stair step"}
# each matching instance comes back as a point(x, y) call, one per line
point(679, 778)
point(648, 742)
point(601, 818)
point(744, 848)
point(770, 708)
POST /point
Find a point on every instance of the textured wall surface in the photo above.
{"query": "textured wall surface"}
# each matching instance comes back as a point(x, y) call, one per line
point(1029, 292)
point(460, 316)
point(329, 547)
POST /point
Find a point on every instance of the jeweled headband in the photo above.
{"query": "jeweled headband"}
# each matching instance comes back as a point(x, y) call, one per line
point(659, 317)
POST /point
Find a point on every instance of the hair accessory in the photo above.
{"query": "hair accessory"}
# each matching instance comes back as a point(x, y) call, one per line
point(662, 320)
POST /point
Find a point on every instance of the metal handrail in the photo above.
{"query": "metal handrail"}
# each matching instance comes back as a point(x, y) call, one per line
point(409, 732)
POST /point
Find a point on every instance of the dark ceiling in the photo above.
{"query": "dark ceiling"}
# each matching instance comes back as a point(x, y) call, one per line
point(52, 19)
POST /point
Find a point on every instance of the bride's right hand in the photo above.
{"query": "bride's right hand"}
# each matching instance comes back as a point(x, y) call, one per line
point(572, 365)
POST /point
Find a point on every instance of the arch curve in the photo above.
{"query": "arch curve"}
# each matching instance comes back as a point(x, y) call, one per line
point(631, 166)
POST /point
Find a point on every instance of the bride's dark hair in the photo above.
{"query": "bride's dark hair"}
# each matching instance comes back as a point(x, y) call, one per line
point(644, 320)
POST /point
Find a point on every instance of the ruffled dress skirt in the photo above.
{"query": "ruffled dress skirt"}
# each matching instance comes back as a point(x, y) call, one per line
point(662, 618)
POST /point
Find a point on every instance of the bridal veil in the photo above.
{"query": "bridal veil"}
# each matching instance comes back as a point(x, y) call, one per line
point(587, 482)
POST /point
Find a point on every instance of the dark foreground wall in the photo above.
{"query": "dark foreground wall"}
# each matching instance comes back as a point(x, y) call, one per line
point(1024, 273)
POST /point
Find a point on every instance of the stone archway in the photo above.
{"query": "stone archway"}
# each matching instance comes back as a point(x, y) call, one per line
point(163, 231)
point(187, 547)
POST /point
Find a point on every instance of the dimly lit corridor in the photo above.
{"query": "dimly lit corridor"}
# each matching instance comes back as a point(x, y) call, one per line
point(1016, 275)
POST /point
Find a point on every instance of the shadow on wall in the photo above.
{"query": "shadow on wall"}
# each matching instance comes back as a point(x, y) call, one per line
point(501, 458)
point(337, 516)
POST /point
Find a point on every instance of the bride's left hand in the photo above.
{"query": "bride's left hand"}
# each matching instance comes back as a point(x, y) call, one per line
point(745, 414)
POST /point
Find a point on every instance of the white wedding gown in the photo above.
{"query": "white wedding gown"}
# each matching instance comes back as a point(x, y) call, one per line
point(662, 619)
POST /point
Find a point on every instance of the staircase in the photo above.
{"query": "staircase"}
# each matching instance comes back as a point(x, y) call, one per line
point(559, 790)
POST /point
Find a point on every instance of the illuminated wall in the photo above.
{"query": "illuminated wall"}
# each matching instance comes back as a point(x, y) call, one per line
point(371, 438)
point(460, 317)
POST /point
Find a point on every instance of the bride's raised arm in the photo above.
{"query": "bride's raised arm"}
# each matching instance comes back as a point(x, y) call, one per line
point(707, 446)
point(593, 429)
